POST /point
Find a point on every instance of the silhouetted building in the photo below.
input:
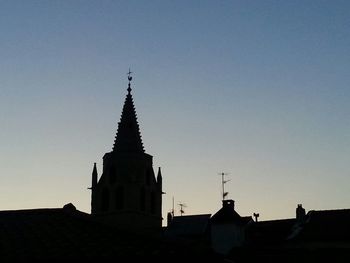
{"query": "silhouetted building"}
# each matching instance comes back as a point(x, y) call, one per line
point(323, 228)
point(191, 227)
point(270, 232)
point(65, 233)
point(128, 194)
point(228, 228)
point(318, 236)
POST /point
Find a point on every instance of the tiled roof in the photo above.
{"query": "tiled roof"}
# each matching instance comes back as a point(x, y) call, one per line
point(246, 219)
point(55, 233)
point(325, 225)
point(188, 226)
point(227, 214)
point(272, 231)
point(65, 233)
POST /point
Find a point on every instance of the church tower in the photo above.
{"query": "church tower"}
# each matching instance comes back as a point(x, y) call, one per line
point(128, 194)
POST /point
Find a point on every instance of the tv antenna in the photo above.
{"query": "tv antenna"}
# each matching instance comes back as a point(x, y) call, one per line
point(256, 216)
point(223, 182)
point(173, 210)
point(182, 206)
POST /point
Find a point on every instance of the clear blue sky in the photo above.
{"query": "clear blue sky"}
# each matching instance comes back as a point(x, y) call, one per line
point(257, 89)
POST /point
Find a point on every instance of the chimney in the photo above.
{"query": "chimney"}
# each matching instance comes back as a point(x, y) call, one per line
point(228, 204)
point(169, 218)
point(300, 213)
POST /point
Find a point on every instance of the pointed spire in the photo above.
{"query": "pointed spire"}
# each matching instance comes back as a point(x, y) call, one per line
point(94, 177)
point(94, 170)
point(128, 138)
point(159, 175)
point(160, 180)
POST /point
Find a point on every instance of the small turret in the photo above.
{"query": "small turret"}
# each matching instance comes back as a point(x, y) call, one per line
point(94, 177)
point(93, 188)
point(159, 178)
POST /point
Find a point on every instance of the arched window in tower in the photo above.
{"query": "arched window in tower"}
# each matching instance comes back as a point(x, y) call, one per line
point(105, 200)
point(119, 198)
point(142, 199)
point(112, 174)
point(153, 202)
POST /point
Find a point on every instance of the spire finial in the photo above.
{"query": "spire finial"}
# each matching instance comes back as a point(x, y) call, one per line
point(129, 78)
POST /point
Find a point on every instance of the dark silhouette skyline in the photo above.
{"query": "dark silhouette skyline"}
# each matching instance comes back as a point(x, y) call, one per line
point(126, 220)
point(258, 90)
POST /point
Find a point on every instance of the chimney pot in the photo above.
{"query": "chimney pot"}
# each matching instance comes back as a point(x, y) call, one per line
point(228, 203)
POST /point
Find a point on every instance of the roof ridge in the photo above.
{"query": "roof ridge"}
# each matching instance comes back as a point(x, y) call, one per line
point(27, 210)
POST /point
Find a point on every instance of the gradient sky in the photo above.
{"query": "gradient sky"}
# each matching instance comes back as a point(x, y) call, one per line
point(257, 89)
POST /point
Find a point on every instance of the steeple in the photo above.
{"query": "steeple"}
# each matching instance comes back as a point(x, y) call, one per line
point(128, 137)
point(128, 195)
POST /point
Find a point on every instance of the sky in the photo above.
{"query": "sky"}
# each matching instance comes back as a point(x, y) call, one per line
point(259, 90)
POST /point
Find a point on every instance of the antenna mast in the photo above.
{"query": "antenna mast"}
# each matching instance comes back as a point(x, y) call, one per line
point(223, 182)
point(173, 210)
point(182, 205)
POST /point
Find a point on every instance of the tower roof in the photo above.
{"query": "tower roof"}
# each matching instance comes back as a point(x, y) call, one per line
point(128, 137)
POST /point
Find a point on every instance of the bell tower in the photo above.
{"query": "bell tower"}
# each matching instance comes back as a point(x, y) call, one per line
point(128, 194)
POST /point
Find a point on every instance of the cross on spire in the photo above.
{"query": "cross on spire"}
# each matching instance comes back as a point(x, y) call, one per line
point(129, 78)
point(129, 75)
